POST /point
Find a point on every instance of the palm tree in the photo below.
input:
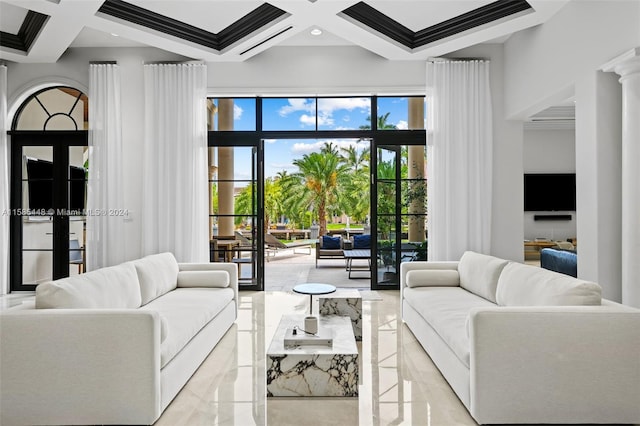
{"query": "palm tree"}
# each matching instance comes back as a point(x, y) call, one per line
point(353, 158)
point(352, 200)
point(382, 123)
point(317, 184)
point(329, 148)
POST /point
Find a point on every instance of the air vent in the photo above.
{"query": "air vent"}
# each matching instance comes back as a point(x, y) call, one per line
point(266, 40)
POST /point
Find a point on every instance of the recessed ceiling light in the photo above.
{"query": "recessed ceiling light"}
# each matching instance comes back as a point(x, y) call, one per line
point(316, 31)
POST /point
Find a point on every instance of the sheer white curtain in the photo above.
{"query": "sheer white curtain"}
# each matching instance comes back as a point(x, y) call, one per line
point(105, 189)
point(459, 152)
point(4, 185)
point(175, 195)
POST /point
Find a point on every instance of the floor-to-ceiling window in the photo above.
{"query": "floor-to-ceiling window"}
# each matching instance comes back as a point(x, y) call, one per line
point(287, 136)
point(48, 192)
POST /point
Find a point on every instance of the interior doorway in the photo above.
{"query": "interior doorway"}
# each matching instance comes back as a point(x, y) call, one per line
point(48, 187)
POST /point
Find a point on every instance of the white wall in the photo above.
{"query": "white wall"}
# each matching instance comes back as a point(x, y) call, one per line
point(543, 63)
point(73, 69)
point(549, 63)
point(549, 151)
point(314, 70)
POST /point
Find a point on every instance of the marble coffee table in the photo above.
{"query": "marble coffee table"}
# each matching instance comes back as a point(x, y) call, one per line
point(313, 370)
point(344, 302)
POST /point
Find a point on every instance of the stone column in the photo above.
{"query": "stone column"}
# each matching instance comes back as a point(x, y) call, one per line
point(598, 145)
point(225, 170)
point(416, 169)
point(627, 66)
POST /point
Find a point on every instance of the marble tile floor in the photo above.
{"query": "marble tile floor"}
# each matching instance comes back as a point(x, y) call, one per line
point(398, 382)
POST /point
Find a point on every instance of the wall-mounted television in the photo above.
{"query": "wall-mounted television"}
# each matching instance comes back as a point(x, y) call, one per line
point(550, 192)
point(40, 178)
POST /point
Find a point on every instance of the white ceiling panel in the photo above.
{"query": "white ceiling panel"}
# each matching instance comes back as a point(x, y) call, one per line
point(11, 18)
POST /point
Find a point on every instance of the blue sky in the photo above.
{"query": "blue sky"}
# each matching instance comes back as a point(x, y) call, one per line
point(299, 114)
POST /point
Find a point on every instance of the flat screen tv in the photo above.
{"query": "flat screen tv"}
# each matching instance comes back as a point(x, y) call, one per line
point(550, 192)
point(40, 178)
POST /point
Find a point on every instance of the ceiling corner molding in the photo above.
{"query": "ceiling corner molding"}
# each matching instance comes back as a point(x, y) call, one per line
point(383, 24)
point(29, 30)
point(235, 32)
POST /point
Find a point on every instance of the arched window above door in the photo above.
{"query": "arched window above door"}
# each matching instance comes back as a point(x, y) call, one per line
point(54, 108)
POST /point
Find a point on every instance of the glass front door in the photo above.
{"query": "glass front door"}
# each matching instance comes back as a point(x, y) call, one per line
point(400, 198)
point(48, 200)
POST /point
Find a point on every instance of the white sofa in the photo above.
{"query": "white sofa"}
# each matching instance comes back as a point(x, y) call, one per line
point(521, 344)
point(115, 345)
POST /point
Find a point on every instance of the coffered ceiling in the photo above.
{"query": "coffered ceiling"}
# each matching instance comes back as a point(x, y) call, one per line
point(236, 30)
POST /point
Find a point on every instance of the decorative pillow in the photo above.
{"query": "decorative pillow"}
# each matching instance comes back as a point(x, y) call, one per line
point(526, 285)
point(330, 242)
point(217, 279)
point(115, 287)
point(433, 278)
point(362, 241)
point(157, 274)
point(479, 274)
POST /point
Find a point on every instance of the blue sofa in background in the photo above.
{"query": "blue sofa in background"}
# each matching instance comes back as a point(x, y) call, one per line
point(558, 260)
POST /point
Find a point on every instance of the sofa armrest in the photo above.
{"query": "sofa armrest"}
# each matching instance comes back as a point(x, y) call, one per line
point(59, 366)
point(231, 268)
point(580, 363)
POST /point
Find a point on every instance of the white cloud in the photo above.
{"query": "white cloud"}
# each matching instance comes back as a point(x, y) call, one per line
point(326, 108)
point(270, 141)
point(402, 125)
point(307, 148)
point(332, 104)
point(298, 104)
point(237, 112)
point(308, 120)
point(325, 119)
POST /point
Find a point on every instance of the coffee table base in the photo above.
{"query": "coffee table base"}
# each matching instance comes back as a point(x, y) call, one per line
point(314, 371)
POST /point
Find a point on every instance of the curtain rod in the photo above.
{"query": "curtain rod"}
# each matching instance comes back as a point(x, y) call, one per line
point(175, 63)
point(434, 60)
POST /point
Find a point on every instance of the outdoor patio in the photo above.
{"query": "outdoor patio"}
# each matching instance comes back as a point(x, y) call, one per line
point(286, 269)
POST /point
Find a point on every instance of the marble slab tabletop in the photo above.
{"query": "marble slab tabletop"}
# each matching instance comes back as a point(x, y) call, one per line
point(342, 332)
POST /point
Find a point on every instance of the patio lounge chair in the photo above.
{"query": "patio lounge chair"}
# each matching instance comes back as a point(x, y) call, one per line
point(273, 245)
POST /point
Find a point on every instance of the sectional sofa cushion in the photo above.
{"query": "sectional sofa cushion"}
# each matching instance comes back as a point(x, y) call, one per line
point(362, 241)
point(433, 278)
point(479, 274)
point(331, 243)
point(526, 285)
point(157, 274)
point(186, 311)
point(115, 287)
point(217, 279)
point(446, 310)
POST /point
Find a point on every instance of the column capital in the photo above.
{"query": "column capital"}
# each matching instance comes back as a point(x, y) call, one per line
point(625, 64)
